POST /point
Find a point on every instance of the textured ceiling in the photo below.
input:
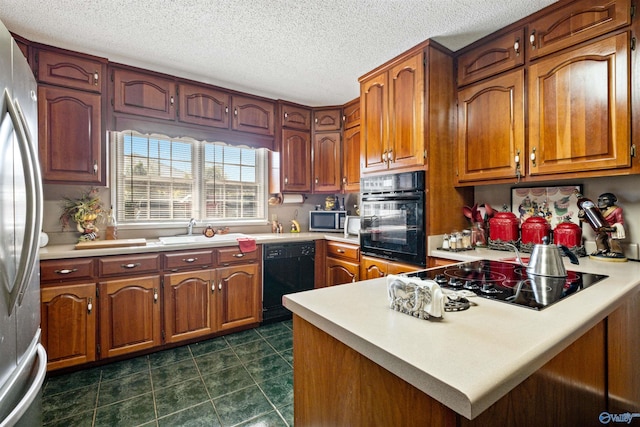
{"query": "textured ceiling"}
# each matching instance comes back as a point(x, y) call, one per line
point(306, 51)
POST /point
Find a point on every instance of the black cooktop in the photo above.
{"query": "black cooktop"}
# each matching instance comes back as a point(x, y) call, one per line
point(508, 282)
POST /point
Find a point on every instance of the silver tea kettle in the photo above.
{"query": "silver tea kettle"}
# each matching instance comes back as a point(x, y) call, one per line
point(546, 261)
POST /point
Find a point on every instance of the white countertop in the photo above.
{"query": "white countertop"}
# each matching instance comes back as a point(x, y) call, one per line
point(472, 358)
point(69, 251)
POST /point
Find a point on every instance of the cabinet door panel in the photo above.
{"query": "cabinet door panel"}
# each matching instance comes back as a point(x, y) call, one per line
point(491, 128)
point(351, 160)
point(129, 315)
point(576, 22)
point(253, 115)
point(579, 109)
point(189, 305)
point(374, 124)
point(70, 71)
point(296, 161)
point(406, 114)
point(502, 54)
point(327, 120)
point(326, 162)
point(69, 135)
point(144, 94)
point(295, 117)
point(69, 324)
point(239, 296)
point(340, 272)
point(204, 106)
point(351, 114)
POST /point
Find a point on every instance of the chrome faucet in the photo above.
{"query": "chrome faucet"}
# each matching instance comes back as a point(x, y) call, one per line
point(192, 222)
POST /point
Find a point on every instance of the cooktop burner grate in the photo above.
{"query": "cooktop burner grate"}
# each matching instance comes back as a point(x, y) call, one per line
point(508, 282)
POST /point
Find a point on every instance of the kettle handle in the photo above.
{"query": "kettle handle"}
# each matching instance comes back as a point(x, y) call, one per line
point(572, 257)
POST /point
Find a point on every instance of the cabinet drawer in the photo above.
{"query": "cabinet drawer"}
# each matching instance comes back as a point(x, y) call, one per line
point(295, 117)
point(188, 259)
point(111, 266)
point(67, 269)
point(327, 120)
point(343, 250)
point(234, 255)
point(70, 71)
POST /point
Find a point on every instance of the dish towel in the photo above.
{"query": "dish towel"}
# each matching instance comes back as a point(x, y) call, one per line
point(247, 244)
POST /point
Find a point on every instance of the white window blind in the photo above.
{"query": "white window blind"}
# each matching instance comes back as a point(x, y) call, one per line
point(161, 179)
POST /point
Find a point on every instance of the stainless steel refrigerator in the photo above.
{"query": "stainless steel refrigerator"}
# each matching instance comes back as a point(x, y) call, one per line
point(23, 360)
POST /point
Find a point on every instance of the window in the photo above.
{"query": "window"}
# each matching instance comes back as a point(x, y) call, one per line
point(158, 179)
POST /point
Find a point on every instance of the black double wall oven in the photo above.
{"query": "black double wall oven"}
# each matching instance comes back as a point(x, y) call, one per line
point(392, 217)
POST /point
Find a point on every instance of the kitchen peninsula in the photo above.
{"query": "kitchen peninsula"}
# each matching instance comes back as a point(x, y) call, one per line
point(493, 364)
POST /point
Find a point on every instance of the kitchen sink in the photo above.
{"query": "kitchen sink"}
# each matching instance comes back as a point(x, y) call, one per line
point(198, 238)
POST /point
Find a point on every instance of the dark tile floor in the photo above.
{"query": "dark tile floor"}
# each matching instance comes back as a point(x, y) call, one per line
point(242, 379)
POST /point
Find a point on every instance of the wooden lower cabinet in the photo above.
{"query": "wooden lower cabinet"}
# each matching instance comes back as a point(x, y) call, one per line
point(68, 322)
point(374, 268)
point(239, 296)
point(189, 305)
point(129, 315)
point(342, 263)
point(346, 388)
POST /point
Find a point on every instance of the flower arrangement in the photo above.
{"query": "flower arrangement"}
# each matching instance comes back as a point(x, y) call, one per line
point(84, 211)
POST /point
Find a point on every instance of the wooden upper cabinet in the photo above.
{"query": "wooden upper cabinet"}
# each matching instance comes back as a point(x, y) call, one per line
point(374, 94)
point(253, 115)
point(493, 57)
point(71, 71)
point(295, 117)
point(326, 162)
point(406, 113)
point(574, 23)
point(203, 105)
point(579, 117)
point(351, 114)
point(144, 94)
point(393, 117)
point(491, 128)
point(351, 159)
point(70, 136)
point(327, 120)
point(295, 161)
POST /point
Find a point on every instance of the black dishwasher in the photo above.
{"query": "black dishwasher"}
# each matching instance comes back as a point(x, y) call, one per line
point(287, 268)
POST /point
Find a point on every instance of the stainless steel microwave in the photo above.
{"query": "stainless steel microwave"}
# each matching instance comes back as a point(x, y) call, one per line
point(329, 221)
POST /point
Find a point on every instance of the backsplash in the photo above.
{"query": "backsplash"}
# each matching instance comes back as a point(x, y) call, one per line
point(624, 187)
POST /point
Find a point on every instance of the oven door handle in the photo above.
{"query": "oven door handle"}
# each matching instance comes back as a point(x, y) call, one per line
point(391, 198)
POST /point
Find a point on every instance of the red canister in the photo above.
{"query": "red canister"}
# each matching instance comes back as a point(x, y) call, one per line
point(568, 233)
point(504, 227)
point(534, 229)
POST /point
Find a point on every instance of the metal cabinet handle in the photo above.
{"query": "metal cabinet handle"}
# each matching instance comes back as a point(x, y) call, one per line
point(132, 265)
point(155, 295)
point(340, 251)
point(344, 179)
point(171, 100)
point(517, 161)
point(66, 271)
point(516, 46)
point(384, 157)
point(238, 255)
point(220, 286)
point(286, 180)
point(95, 78)
point(189, 260)
point(213, 287)
point(89, 305)
point(95, 167)
point(226, 110)
point(286, 115)
point(235, 111)
point(317, 180)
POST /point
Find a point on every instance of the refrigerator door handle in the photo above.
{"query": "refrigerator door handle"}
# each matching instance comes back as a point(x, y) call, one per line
point(33, 184)
point(31, 394)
